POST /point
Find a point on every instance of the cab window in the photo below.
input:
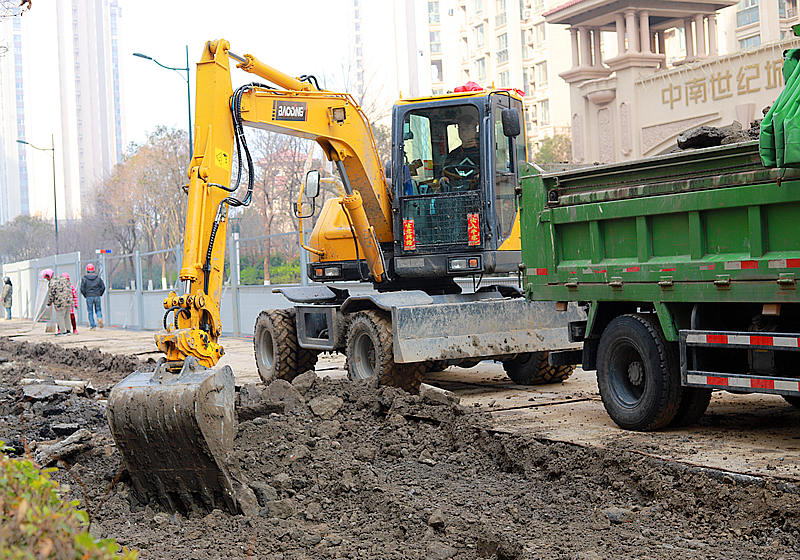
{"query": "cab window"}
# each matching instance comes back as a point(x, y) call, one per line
point(505, 169)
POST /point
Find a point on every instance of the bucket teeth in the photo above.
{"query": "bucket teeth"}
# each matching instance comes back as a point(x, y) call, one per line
point(174, 433)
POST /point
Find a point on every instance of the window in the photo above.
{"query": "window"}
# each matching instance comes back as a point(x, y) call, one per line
point(505, 176)
point(526, 82)
point(746, 12)
point(544, 111)
point(505, 79)
point(500, 13)
point(750, 42)
point(502, 48)
point(436, 70)
point(541, 74)
point(480, 69)
point(436, 44)
point(477, 6)
point(539, 34)
point(433, 12)
point(523, 41)
point(479, 36)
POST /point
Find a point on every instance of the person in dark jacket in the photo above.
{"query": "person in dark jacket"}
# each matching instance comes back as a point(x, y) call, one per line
point(93, 288)
point(8, 291)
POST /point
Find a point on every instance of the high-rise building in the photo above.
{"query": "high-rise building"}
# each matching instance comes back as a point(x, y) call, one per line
point(751, 23)
point(66, 83)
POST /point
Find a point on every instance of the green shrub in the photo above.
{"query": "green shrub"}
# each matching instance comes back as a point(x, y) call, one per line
point(36, 523)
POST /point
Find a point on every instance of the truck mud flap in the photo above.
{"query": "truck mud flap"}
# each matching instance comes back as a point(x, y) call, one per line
point(483, 328)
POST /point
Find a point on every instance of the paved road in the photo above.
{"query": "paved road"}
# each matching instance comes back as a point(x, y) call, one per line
point(757, 435)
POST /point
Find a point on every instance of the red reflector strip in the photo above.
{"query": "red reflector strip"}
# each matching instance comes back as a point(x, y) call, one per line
point(600, 271)
point(409, 236)
point(762, 383)
point(741, 265)
point(717, 339)
point(473, 229)
point(667, 270)
point(784, 263)
point(707, 266)
point(539, 271)
point(761, 340)
point(632, 269)
point(720, 381)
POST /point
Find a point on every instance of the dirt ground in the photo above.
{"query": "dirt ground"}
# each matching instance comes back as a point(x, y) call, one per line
point(389, 475)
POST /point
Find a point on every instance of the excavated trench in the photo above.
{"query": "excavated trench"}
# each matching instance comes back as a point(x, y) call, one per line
point(342, 470)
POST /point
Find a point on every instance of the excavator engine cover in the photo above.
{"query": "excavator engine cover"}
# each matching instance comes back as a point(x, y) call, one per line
point(175, 432)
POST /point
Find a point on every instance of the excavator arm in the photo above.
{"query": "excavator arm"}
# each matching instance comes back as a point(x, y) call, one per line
point(174, 425)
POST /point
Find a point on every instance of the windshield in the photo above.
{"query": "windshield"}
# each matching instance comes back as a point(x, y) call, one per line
point(441, 150)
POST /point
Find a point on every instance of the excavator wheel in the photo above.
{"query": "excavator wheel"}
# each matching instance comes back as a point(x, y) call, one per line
point(174, 432)
point(369, 353)
point(531, 368)
point(278, 354)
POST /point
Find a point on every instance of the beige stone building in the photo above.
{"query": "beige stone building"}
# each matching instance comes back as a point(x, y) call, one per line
point(635, 103)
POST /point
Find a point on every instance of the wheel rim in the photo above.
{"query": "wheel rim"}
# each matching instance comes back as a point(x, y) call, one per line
point(266, 351)
point(627, 375)
point(364, 357)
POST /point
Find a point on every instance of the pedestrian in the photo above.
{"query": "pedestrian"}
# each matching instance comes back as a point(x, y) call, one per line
point(60, 297)
point(74, 307)
point(93, 288)
point(8, 290)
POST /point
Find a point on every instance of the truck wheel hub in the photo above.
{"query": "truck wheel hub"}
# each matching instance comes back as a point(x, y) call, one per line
point(636, 373)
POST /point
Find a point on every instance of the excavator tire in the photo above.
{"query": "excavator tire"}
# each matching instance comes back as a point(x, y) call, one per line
point(435, 365)
point(369, 353)
point(278, 354)
point(531, 368)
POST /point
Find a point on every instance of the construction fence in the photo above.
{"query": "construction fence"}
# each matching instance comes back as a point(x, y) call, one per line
point(138, 282)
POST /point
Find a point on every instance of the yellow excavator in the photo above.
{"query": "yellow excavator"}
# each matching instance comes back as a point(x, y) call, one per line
point(444, 211)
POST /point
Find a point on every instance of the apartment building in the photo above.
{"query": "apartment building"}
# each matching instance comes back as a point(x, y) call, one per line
point(59, 82)
point(505, 44)
point(751, 23)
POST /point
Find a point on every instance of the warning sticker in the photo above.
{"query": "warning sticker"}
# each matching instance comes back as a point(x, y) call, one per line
point(223, 159)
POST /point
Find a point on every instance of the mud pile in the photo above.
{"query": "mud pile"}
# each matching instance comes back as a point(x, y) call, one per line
point(343, 470)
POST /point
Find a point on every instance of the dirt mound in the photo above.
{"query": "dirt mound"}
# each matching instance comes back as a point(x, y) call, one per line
point(345, 470)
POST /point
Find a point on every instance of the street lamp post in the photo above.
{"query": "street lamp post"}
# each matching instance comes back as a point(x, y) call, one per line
point(188, 89)
point(52, 150)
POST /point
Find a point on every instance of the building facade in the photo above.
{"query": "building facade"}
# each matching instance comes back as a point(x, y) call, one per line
point(66, 86)
point(666, 77)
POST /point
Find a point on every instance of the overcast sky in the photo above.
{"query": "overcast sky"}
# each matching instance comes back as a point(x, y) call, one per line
point(297, 37)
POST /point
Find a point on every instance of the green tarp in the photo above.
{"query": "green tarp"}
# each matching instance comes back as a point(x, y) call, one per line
point(779, 141)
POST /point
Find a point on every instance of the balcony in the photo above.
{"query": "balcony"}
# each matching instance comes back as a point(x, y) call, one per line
point(747, 16)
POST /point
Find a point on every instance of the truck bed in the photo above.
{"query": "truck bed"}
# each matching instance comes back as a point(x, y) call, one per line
point(708, 225)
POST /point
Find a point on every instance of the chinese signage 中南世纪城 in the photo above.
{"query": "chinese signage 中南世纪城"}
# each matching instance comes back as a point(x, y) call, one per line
point(723, 84)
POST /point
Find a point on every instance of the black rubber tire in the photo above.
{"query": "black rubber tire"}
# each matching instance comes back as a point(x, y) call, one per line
point(278, 354)
point(694, 402)
point(638, 374)
point(369, 353)
point(531, 368)
point(794, 401)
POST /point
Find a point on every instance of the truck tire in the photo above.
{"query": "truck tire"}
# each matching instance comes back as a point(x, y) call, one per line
point(278, 354)
point(369, 353)
point(637, 374)
point(694, 402)
point(531, 368)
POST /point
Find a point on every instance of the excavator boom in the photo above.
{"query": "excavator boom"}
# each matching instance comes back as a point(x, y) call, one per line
point(174, 426)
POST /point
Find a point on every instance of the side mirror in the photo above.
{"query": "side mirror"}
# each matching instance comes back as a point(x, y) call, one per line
point(312, 184)
point(510, 119)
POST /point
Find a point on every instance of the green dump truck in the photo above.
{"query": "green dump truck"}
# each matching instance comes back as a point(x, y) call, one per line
point(688, 264)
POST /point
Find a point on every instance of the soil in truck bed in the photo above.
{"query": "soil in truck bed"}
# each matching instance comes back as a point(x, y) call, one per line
point(343, 470)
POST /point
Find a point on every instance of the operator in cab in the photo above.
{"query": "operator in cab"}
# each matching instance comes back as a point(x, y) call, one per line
point(461, 168)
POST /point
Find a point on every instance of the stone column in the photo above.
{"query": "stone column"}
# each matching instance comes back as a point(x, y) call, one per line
point(620, 23)
point(632, 31)
point(598, 55)
point(687, 30)
point(586, 56)
point(700, 35)
point(573, 32)
point(712, 35)
point(644, 31)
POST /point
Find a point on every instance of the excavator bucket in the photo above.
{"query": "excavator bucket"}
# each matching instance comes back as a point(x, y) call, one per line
point(175, 432)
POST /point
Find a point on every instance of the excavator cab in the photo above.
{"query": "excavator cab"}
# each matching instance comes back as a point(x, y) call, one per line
point(454, 181)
